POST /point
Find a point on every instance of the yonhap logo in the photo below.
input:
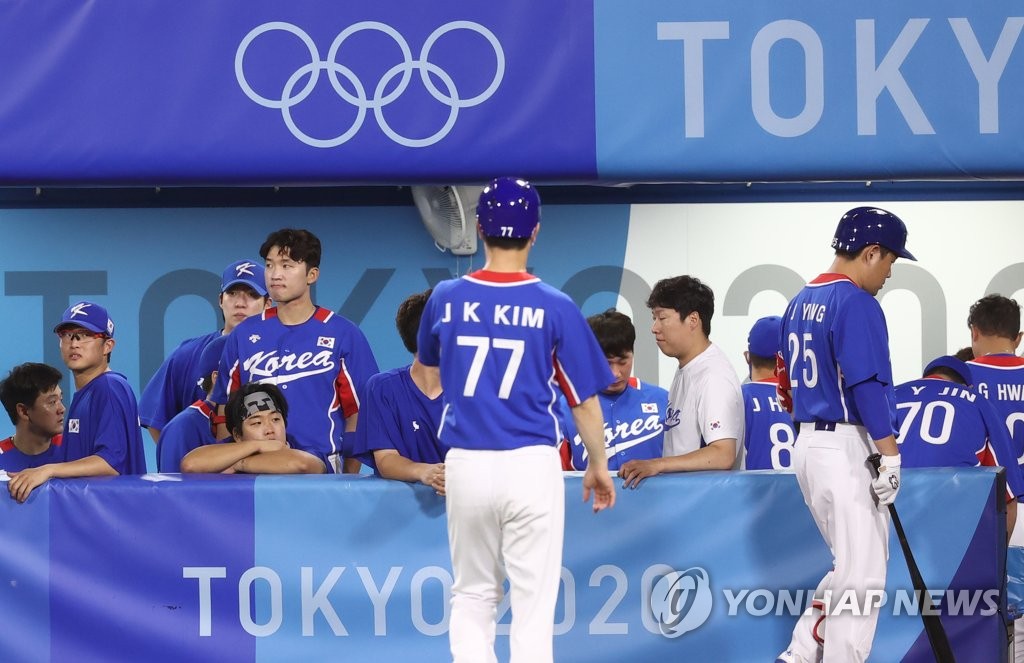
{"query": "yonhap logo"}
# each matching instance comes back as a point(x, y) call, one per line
point(681, 601)
point(370, 95)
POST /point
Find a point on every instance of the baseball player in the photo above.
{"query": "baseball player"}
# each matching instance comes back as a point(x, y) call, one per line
point(506, 344)
point(101, 433)
point(32, 396)
point(836, 375)
point(257, 415)
point(768, 430)
point(634, 411)
point(401, 412)
point(243, 293)
point(943, 423)
point(705, 405)
point(998, 372)
point(319, 359)
point(194, 426)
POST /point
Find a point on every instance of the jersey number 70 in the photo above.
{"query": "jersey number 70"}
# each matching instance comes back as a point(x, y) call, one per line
point(482, 345)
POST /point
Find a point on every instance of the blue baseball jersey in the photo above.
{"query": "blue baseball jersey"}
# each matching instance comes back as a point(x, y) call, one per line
point(103, 421)
point(189, 429)
point(175, 385)
point(395, 414)
point(944, 424)
point(1000, 379)
point(321, 365)
point(13, 459)
point(507, 346)
point(834, 337)
point(769, 433)
point(634, 426)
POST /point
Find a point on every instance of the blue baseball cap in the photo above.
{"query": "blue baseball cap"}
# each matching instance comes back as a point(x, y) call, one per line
point(246, 272)
point(952, 363)
point(87, 315)
point(209, 359)
point(763, 339)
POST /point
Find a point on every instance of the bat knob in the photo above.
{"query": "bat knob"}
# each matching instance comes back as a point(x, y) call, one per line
point(875, 460)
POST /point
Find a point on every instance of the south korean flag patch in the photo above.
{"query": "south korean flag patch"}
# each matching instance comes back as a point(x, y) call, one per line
point(649, 408)
point(325, 342)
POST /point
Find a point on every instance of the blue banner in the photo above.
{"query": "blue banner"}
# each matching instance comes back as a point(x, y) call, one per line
point(740, 91)
point(307, 92)
point(170, 568)
point(313, 92)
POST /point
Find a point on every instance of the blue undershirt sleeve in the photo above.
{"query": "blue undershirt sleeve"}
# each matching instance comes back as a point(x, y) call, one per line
point(873, 408)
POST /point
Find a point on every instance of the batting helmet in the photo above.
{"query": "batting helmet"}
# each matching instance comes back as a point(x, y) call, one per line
point(508, 207)
point(866, 226)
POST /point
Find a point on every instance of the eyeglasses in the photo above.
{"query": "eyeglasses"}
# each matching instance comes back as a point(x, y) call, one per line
point(77, 335)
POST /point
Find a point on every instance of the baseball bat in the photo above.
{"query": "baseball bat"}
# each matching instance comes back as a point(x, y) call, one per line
point(933, 627)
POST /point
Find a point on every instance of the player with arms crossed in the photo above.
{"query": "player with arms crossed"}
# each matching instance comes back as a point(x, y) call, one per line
point(259, 444)
point(837, 377)
point(507, 344)
point(768, 433)
point(943, 423)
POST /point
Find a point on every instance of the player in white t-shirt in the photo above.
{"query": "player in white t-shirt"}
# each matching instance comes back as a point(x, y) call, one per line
point(705, 405)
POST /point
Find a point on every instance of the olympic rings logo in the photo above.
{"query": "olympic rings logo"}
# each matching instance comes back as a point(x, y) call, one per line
point(359, 99)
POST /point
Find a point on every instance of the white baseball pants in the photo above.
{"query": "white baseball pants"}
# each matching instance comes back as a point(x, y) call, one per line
point(835, 479)
point(506, 515)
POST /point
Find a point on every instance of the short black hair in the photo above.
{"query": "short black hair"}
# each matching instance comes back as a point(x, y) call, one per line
point(965, 354)
point(761, 363)
point(234, 411)
point(850, 255)
point(507, 243)
point(614, 331)
point(995, 315)
point(24, 384)
point(300, 245)
point(949, 374)
point(685, 294)
point(407, 320)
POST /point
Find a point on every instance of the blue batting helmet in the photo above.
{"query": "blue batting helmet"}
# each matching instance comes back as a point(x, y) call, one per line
point(866, 226)
point(508, 207)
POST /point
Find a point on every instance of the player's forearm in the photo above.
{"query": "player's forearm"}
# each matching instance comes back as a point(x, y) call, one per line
point(216, 457)
point(1011, 517)
point(154, 433)
point(719, 455)
point(589, 422)
point(887, 446)
point(283, 461)
point(392, 465)
point(90, 466)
